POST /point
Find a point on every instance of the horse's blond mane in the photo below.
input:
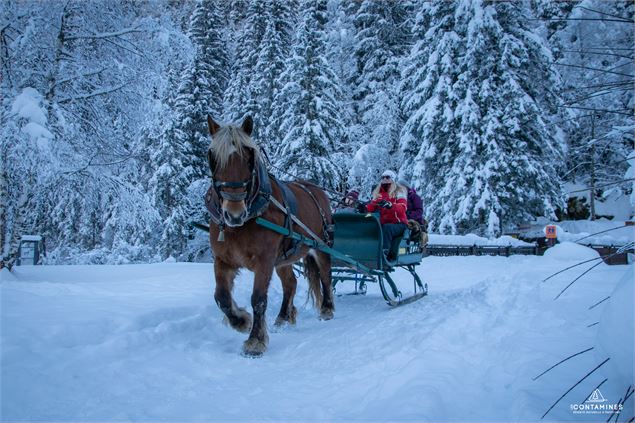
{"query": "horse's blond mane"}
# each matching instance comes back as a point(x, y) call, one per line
point(228, 140)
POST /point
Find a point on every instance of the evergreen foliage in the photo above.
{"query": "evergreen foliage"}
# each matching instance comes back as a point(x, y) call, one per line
point(381, 39)
point(486, 107)
point(477, 139)
point(309, 104)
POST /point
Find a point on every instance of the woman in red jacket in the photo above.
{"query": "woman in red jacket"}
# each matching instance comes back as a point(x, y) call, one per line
point(391, 200)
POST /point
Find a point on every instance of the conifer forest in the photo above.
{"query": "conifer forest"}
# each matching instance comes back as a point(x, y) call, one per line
point(491, 110)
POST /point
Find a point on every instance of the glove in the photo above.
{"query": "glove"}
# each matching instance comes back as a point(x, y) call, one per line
point(361, 207)
point(384, 204)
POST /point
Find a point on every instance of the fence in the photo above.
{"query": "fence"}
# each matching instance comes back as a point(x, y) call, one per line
point(608, 252)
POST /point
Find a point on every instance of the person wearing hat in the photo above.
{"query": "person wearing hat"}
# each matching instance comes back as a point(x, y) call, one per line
point(349, 202)
point(414, 210)
point(390, 199)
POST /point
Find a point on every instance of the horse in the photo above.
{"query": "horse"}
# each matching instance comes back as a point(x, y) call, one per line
point(242, 190)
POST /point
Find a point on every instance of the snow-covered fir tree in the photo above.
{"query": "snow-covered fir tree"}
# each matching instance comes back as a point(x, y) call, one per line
point(478, 98)
point(274, 51)
point(180, 154)
point(103, 105)
point(240, 99)
point(309, 104)
point(382, 38)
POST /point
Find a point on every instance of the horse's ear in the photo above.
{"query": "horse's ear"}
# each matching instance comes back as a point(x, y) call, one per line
point(212, 125)
point(248, 125)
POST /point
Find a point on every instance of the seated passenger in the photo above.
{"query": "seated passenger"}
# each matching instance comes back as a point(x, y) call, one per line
point(414, 209)
point(349, 202)
point(391, 201)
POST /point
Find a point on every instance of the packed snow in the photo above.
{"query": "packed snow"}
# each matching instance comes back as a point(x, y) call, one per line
point(147, 343)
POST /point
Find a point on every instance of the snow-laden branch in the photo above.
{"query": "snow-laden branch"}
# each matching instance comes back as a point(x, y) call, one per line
point(73, 78)
point(104, 35)
point(93, 94)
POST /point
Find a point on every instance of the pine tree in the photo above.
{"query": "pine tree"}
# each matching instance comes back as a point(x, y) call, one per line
point(381, 41)
point(240, 99)
point(201, 89)
point(309, 104)
point(275, 49)
point(477, 138)
point(182, 148)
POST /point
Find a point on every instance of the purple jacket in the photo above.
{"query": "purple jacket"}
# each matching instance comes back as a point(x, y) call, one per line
point(415, 206)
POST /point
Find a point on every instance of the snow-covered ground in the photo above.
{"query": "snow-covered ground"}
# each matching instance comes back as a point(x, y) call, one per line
point(146, 343)
point(472, 239)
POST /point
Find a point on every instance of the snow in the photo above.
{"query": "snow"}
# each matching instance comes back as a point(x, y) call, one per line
point(575, 230)
point(31, 238)
point(571, 251)
point(146, 342)
point(472, 239)
point(582, 231)
point(27, 106)
point(615, 333)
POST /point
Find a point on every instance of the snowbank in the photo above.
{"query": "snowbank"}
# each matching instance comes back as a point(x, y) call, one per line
point(615, 336)
point(472, 239)
point(577, 229)
point(568, 251)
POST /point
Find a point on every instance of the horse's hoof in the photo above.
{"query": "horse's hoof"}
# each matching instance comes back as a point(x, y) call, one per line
point(254, 348)
point(290, 319)
point(326, 314)
point(242, 323)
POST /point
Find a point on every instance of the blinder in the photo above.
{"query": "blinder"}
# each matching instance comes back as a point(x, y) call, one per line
point(220, 185)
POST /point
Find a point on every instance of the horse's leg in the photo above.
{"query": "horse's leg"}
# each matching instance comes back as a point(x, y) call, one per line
point(328, 304)
point(258, 339)
point(238, 318)
point(288, 311)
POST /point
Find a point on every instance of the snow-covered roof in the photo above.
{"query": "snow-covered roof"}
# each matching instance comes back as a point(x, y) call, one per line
point(31, 238)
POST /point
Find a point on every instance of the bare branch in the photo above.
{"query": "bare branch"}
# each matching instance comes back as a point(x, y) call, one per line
point(91, 73)
point(105, 35)
point(582, 19)
point(607, 84)
point(561, 361)
point(600, 53)
point(602, 186)
point(599, 302)
point(593, 69)
point(93, 94)
point(576, 384)
point(564, 106)
point(600, 13)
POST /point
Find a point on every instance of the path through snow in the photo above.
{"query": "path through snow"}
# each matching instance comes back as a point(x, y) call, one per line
point(146, 342)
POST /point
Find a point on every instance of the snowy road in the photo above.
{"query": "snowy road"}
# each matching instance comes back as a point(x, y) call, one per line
point(146, 342)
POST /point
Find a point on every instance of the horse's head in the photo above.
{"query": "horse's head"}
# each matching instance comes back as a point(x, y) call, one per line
point(232, 158)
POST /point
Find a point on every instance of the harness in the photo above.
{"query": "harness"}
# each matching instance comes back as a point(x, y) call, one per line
point(257, 195)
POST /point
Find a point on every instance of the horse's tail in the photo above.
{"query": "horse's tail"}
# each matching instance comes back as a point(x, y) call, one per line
point(312, 274)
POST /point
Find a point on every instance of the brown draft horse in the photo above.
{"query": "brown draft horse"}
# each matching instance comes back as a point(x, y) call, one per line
point(234, 162)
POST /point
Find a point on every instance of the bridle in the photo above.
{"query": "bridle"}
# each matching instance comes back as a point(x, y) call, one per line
point(219, 186)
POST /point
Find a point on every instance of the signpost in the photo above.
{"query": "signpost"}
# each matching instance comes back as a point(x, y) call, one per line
point(551, 235)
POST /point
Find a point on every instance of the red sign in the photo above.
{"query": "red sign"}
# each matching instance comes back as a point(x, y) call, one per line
point(551, 232)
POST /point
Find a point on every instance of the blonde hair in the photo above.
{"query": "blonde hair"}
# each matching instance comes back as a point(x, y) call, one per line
point(395, 190)
point(228, 140)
